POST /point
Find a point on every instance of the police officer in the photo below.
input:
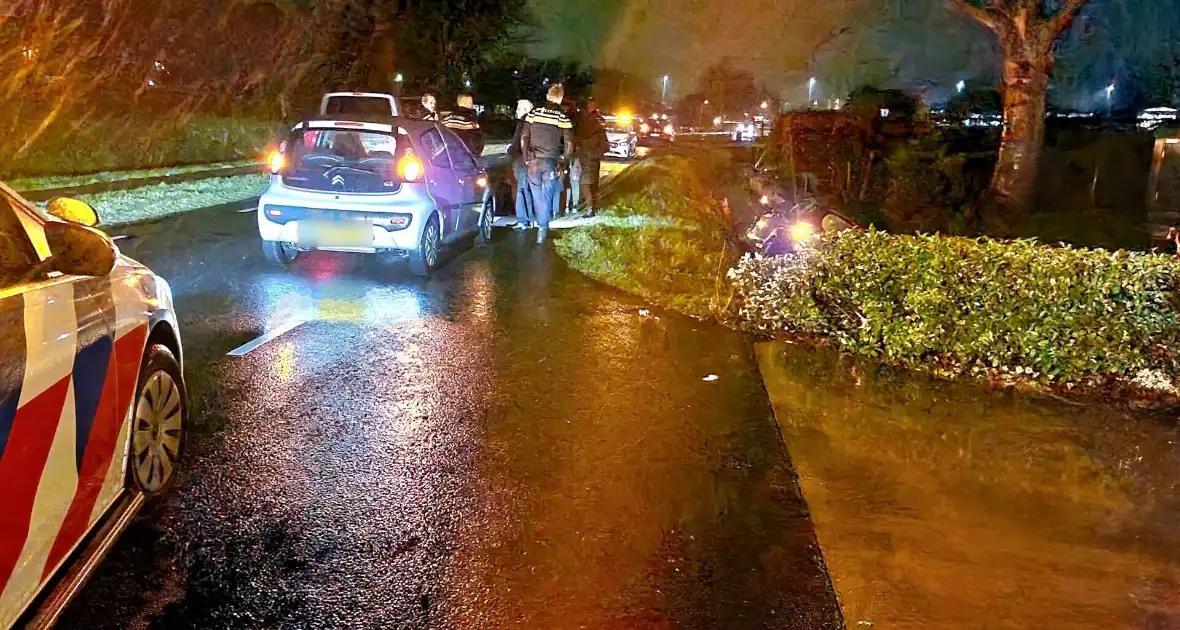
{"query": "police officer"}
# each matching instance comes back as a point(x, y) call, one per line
point(547, 141)
point(465, 123)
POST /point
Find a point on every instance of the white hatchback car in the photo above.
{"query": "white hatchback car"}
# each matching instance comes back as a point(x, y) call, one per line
point(92, 401)
point(391, 185)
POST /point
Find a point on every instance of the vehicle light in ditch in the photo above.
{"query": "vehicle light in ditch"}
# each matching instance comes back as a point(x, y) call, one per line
point(482, 181)
point(276, 161)
point(802, 231)
point(410, 168)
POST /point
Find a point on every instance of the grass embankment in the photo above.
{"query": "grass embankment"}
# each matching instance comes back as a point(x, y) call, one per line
point(661, 235)
point(49, 182)
point(122, 144)
point(149, 202)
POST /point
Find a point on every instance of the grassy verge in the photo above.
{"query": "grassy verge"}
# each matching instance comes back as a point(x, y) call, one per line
point(95, 146)
point(661, 236)
point(149, 202)
point(48, 182)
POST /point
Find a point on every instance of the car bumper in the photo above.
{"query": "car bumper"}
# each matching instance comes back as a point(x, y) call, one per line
point(372, 227)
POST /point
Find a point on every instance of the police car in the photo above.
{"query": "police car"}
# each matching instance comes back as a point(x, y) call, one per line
point(373, 185)
point(92, 401)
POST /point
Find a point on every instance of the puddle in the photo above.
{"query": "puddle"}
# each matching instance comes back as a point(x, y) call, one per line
point(938, 505)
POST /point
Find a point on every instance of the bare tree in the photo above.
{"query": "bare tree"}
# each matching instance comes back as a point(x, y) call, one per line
point(1027, 34)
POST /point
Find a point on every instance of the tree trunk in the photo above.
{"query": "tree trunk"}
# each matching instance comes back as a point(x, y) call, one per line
point(1025, 78)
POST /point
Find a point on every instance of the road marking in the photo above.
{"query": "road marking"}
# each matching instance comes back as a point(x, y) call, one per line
point(269, 336)
point(245, 210)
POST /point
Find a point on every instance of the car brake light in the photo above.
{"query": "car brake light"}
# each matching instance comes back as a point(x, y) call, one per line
point(410, 168)
point(276, 162)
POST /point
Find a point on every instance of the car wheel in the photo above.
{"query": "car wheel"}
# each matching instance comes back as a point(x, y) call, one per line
point(158, 423)
point(424, 259)
point(279, 252)
point(487, 218)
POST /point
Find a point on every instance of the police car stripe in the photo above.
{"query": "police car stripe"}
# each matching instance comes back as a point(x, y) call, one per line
point(99, 449)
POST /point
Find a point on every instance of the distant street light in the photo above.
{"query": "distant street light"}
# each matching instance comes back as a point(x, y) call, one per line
point(1110, 99)
point(811, 89)
point(467, 83)
point(960, 86)
point(399, 78)
point(765, 104)
point(706, 101)
point(664, 91)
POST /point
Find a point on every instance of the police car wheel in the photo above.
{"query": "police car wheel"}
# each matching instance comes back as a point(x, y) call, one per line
point(159, 418)
point(424, 259)
point(487, 218)
point(279, 253)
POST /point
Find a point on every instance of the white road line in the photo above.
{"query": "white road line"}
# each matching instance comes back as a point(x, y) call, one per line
point(269, 336)
point(245, 210)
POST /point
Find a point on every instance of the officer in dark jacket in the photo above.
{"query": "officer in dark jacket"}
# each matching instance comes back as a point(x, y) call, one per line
point(525, 216)
point(592, 144)
point(547, 140)
point(465, 123)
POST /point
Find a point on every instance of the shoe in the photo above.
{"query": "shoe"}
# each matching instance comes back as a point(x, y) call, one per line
point(520, 225)
point(542, 234)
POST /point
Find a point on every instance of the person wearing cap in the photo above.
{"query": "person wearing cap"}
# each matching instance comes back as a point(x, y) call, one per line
point(547, 142)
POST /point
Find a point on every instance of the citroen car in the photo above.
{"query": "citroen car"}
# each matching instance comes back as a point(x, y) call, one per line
point(92, 401)
point(381, 185)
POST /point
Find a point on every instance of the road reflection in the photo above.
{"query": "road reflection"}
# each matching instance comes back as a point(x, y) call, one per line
point(937, 505)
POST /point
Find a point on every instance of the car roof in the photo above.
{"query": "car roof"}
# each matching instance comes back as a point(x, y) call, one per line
point(413, 125)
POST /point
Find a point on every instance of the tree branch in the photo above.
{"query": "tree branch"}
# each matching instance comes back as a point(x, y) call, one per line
point(987, 17)
point(1064, 17)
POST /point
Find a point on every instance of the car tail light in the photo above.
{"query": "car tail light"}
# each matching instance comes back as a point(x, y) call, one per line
point(410, 168)
point(276, 161)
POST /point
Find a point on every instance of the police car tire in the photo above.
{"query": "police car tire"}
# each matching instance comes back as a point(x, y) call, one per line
point(277, 254)
point(158, 358)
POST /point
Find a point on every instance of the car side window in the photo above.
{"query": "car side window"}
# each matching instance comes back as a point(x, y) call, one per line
point(17, 256)
point(460, 155)
point(435, 149)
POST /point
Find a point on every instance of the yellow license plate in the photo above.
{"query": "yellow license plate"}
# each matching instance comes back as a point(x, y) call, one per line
point(345, 235)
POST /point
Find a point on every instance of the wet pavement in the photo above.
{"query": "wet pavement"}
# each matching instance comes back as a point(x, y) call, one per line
point(506, 444)
point(940, 505)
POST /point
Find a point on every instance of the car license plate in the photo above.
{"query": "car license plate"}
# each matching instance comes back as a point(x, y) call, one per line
point(350, 234)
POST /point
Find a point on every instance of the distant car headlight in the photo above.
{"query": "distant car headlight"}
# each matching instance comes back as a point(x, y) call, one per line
point(802, 231)
point(669, 130)
point(644, 128)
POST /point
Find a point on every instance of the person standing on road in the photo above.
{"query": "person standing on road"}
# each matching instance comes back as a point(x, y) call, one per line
point(465, 123)
point(525, 216)
point(547, 140)
point(592, 144)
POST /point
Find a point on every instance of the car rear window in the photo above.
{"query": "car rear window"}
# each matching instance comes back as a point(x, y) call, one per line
point(345, 160)
point(358, 106)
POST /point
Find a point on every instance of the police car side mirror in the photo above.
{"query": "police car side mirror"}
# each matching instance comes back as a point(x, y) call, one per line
point(79, 250)
point(73, 210)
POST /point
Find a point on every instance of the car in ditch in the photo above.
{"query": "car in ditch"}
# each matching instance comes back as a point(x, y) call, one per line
point(381, 185)
point(620, 136)
point(657, 131)
point(93, 413)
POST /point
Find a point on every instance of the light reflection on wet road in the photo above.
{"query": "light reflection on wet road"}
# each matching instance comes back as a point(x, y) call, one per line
point(506, 444)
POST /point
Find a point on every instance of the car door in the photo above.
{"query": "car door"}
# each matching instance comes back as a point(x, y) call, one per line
point(62, 433)
point(468, 171)
point(443, 181)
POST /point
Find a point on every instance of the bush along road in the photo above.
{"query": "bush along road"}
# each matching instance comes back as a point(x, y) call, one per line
point(1013, 312)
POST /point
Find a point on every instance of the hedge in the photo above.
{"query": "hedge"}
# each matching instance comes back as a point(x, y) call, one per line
point(959, 306)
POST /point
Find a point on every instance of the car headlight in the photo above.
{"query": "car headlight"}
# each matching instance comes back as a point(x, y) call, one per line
point(802, 231)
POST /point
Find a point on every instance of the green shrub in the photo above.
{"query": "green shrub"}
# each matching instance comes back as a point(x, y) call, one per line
point(972, 306)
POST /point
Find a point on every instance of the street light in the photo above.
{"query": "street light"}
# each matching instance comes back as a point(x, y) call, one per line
point(398, 78)
point(960, 86)
point(1109, 99)
point(765, 104)
point(664, 91)
point(467, 83)
point(706, 101)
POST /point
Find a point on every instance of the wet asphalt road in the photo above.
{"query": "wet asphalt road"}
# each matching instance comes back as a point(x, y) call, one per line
point(507, 444)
